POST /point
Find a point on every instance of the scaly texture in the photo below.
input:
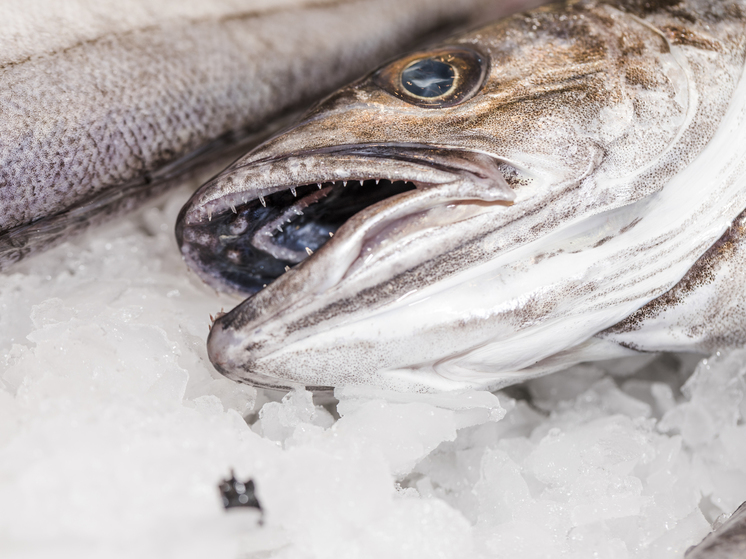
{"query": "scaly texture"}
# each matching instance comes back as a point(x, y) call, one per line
point(98, 97)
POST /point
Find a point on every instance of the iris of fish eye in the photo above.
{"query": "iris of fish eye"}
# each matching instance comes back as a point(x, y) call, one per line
point(428, 78)
point(436, 79)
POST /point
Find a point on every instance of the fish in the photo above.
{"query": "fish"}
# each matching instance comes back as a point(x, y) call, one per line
point(106, 104)
point(563, 185)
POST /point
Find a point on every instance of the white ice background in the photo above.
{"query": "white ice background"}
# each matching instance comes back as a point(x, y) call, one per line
point(115, 431)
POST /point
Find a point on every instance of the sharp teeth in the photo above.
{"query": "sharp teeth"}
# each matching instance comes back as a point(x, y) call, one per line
point(279, 227)
point(331, 234)
point(377, 181)
point(209, 215)
point(261, 199)
point(287, 268)
point(292, 189)
point(344, 183)
point(319, 185)
point(309, 251)
point(233, 209)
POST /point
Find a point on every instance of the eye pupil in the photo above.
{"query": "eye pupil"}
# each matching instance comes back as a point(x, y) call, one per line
point(428, 78)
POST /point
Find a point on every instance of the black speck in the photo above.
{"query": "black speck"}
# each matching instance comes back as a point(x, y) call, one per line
point(238, 494)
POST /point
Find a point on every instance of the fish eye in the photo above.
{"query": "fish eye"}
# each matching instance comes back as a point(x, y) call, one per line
point(435, 79)
point(428, 78)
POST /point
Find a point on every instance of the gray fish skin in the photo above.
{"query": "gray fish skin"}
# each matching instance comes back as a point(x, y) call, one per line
point(104, 104)
point(593, 170)
point(727, 542)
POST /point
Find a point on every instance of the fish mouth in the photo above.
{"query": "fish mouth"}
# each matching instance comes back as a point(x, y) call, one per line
point(260, 219)
point(299, 232)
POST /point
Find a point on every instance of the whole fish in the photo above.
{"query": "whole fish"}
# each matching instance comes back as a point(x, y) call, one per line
point(103, 104)
point(564, 185)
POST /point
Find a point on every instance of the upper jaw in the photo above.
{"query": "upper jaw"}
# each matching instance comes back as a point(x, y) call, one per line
point(423, 165)
point(430, 177)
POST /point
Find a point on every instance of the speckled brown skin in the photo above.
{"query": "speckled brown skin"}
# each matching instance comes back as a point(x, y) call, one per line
point(102, 103)
point(704, 312)
point(591, 111)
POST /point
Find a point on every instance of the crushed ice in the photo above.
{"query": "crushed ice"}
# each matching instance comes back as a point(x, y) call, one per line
point(115, 430)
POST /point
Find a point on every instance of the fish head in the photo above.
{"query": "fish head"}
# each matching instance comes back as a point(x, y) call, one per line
point(400, 234)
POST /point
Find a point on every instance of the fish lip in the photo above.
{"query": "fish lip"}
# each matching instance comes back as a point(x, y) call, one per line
point(254, 176)
point(266, 382)
point(260, 380)
point(213, 197)
point(240, 371)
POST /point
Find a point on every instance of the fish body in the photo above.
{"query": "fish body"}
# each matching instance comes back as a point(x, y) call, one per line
point(103, 104)
point(563, 185)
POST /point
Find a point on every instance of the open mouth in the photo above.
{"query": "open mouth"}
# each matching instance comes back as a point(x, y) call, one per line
point(250, 247)
point(242, 238)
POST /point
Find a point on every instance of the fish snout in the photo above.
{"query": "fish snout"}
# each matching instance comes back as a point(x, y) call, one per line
point(223, 350)
point(237, 358)
point(251, 354)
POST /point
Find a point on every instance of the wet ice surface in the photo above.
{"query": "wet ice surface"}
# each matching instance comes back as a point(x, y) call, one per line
point(115, 431)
